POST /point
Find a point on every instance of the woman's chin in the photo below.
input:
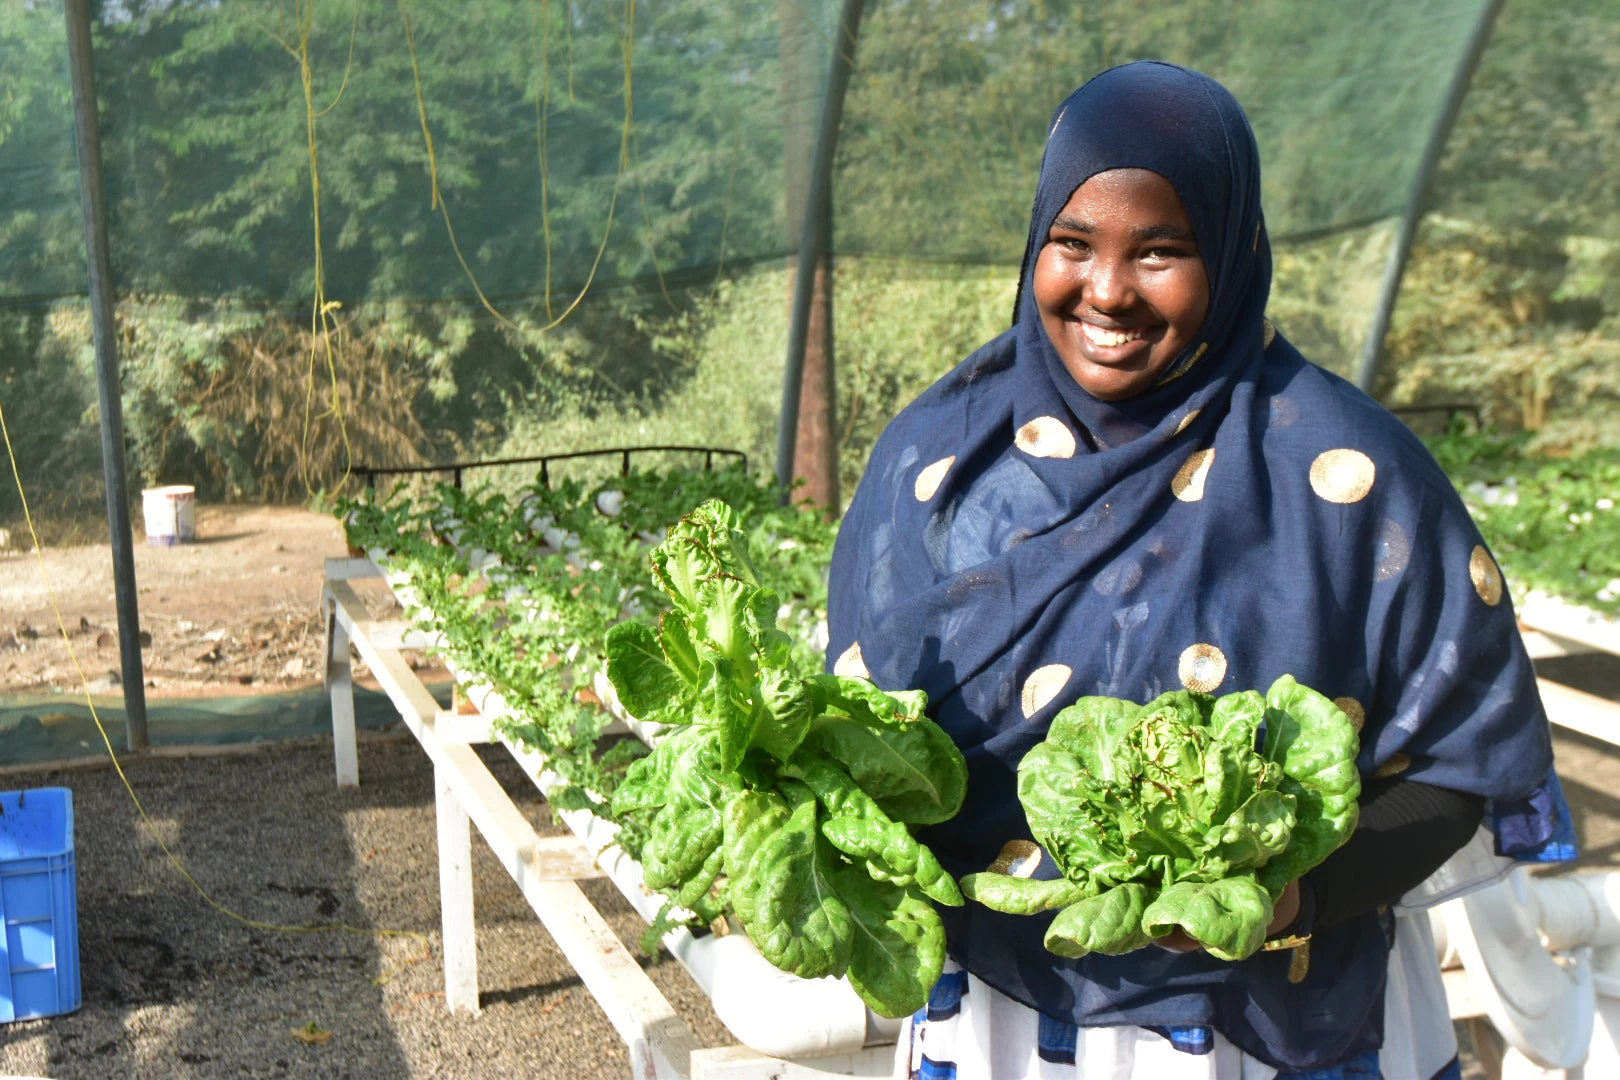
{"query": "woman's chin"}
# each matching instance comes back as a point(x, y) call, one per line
point(1113, 381)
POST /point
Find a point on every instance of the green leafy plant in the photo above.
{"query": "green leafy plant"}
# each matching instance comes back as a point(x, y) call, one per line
point(522, 588)
point(1189, 811)
point(1551, 521)
point(781, 796)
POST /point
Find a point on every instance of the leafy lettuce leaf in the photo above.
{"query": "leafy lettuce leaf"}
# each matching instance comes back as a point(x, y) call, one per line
point(1228, 916)
point(1109, 922)
point(788, 903)
point(897, 945)
point(636, 662)
point(1188, 812)
point(904, 761)
point(1023, 896)
point(1316, 745)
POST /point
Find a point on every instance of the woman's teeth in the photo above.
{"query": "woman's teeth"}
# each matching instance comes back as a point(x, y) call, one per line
point(1108, 339)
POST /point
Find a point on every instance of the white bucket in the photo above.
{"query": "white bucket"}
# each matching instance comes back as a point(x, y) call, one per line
point(171, 514)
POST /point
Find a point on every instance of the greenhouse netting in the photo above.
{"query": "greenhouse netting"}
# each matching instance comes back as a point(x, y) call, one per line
point(579, 215)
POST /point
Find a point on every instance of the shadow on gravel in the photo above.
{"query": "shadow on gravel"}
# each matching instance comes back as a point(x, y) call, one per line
point(175, 989)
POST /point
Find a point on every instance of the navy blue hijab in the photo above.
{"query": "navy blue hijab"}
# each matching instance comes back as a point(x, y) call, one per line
point(1016, 544)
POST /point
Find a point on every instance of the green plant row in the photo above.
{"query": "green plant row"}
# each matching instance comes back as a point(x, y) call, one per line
point(777, 796)
point(523, 588)
point(1552, 522)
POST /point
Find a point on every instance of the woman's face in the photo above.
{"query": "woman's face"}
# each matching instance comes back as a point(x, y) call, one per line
point(1119, 284)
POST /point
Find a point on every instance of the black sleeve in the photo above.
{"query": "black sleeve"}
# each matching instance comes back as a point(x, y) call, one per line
point(1407, 829)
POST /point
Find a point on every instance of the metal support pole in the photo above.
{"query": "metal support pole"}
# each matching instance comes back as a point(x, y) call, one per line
point(814, 238)
point(1372, 352)
point(92, 194)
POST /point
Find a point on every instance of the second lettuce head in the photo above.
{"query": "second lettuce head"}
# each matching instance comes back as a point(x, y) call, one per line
point(1190, 811)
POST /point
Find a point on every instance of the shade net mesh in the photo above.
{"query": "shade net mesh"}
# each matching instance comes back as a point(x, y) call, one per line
point(440, 182)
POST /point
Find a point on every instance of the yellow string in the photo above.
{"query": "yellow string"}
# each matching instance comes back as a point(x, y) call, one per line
point(646, 219)
point(320, 319)
point(725, 221)
point(569, 24)
point(354, 28)
point(323, 324)
point(731, 183)
point(627, 46)
point(151, 828)
point(433, 172)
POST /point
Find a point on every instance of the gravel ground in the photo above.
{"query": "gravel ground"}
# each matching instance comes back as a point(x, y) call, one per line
point(173, 989)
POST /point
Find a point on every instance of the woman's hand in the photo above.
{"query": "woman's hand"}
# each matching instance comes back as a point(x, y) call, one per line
point(1284, 912)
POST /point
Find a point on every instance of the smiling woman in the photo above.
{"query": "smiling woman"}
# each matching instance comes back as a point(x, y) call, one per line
point(1142, 491)
point(1120, 285)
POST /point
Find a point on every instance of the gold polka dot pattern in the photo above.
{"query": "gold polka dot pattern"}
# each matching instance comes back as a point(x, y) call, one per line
point(1283, 413)
point(1119, 577)
point(1018, 858)
point(1393, 549)
point(1042, 686)
point(1487, 579)
point(1342, 476)
point(1352, 708)
point(1203, 668)
point(930, 478)
point(1397, 764)
point(1188, 483)
point(1186, 421)
point(1046, 437)
point(851, 664)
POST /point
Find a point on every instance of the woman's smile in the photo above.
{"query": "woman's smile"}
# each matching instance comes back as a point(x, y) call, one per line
point(1116, 346)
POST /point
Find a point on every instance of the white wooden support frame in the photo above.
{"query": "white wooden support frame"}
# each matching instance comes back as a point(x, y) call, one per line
point(340, 683)
point(545, 868)
point(1554, 628)
point(460, 938)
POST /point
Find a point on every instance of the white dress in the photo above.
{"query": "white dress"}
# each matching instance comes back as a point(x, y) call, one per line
point(971, 1031)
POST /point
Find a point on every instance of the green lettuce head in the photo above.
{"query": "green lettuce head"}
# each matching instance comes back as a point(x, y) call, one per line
point(1189, 812)
point(783, 797)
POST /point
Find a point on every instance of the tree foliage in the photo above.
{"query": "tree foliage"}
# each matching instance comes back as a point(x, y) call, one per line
point(551, 169)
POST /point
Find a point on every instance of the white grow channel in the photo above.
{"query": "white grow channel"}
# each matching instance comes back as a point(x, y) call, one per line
point(1538, 957)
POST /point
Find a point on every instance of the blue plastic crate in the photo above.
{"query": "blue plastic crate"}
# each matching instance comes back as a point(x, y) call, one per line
point(39, 905)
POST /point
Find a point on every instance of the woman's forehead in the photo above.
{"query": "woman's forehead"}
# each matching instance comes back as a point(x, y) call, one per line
point(1132, 197)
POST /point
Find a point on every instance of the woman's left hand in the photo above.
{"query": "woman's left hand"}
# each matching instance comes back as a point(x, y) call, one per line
point(1284, 912)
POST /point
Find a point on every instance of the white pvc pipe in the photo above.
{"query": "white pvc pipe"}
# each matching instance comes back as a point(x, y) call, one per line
point(1541, 1006)
point(1580, 909)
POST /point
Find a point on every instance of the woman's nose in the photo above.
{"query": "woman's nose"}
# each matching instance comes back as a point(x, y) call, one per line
point(1110, 285)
